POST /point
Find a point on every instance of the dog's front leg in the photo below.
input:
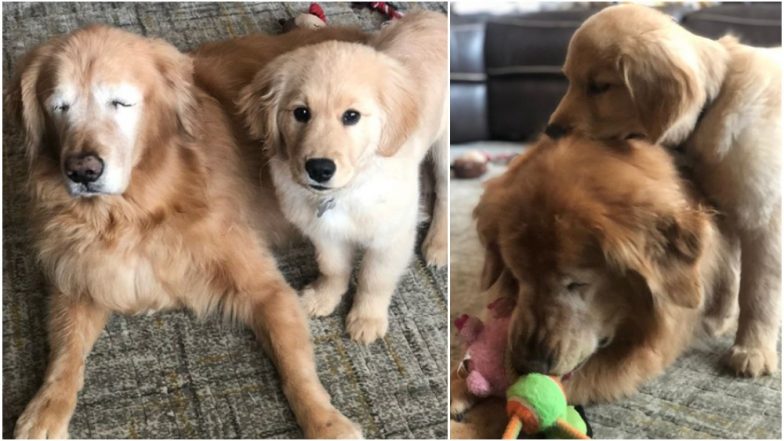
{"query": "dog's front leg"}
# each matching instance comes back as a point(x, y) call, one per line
point(334, 261)
point(74, 325)
point(754, 351)
point(270, 307)
point(382, 266)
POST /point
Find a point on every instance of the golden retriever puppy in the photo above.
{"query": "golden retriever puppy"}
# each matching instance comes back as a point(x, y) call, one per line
point(614, 265)
point(142, 202)
point(633, 71)
point(346, 126)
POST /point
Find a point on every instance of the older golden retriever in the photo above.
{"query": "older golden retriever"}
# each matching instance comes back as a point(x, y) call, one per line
point(633, 71)
point(614, 264)
point(346, 126)
point(142, 202)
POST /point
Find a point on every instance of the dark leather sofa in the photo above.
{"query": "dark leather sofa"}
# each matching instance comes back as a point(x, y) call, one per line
point(506, 70)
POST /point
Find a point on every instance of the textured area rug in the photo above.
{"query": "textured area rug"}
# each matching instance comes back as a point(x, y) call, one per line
point(170, 375)
point(695, 398)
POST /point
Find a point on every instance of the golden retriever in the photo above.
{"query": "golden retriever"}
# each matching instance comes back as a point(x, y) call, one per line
point(346, 126)
point(142, 201)
point(614, 265)
point(633, 71)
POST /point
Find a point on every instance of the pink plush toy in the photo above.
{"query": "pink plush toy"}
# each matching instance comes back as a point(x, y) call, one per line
point(483, 366)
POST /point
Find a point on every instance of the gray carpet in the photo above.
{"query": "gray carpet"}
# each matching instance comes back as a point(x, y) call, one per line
point(695, 398)
point(171, 376)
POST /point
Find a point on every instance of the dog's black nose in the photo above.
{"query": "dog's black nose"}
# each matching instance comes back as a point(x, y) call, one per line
point(535, 365)
point(556, 131)
point(84, 168)
point(320, 169)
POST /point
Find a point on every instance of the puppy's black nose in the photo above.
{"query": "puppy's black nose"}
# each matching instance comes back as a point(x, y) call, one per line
point(320, 169)
point(84, 168)
point(556, 131)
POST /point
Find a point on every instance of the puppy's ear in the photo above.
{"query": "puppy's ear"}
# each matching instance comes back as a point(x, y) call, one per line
point(665, 253)
point(176, 69)
point(662, 87)
point(22, 102)
point(259, 104)
point(398, 97)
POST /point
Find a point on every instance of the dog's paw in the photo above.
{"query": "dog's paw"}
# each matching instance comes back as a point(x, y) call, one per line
point(435, 249)
point(46, 416)
point(366, 326)
point(459, 403)
point(751, 361)
point(319, 303)
point(333, 425)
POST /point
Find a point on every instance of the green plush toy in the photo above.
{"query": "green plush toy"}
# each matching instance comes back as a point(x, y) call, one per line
point(537, 403)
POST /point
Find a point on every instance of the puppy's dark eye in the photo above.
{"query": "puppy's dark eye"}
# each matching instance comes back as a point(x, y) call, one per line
point(302, 114)
point(575, 286)
point(120, 103)
point(61, 107)
point(350, 117)
point(603, 343)
point(595, 88)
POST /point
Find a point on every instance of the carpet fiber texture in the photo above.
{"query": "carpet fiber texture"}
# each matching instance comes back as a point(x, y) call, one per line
point(694, 398)
point(170, 375)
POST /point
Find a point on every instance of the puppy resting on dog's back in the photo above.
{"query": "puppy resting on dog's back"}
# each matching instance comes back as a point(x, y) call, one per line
point(346, 126)
point(633, 71)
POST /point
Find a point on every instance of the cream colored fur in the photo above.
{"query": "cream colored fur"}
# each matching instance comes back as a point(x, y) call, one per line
point(398, 84)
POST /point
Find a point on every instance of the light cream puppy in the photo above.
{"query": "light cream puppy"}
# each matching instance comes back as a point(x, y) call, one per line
point(633, 71)
point(347, 126)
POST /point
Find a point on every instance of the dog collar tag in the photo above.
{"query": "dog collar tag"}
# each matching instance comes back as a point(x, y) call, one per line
point(324, 205)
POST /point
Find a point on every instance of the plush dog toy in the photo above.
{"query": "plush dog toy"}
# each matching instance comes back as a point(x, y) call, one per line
point(535, 402)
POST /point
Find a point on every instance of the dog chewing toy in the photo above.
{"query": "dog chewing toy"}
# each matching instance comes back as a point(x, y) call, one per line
point(537, 403)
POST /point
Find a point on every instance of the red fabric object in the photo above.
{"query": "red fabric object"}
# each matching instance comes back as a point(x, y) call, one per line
point(316, 10)
point(386, 9)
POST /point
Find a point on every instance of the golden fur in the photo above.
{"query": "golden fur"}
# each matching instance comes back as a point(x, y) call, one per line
point(189, 229)
point(614, 264)
point(397, 83)
point(633, 71)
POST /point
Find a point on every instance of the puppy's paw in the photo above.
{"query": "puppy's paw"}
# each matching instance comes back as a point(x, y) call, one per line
point(332, 425)
point(46, 416)
point(748, 361)
point(319, 303)
point(435, 249)
point(366, 326)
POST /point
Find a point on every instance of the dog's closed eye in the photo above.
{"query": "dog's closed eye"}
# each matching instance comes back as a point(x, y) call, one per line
point(116, 103)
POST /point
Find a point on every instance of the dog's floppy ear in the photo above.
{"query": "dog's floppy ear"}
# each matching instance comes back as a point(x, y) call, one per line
point(259, 105)
point(21, 99)
point(664, 250)
point(398, 97)
point(662, 87)
point(487, 229)
point(176, 69)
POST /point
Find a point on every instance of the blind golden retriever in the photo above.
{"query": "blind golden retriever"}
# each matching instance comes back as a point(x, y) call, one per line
point(142, 201)
point(613, 262)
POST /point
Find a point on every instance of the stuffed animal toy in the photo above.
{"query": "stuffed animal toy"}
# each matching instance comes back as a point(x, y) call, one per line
point(483, 365)
point(535, 402)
